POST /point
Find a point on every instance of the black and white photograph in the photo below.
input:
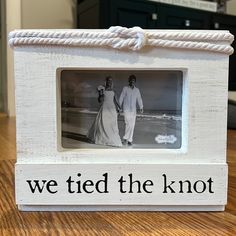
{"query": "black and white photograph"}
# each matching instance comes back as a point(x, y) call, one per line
point(140, 109)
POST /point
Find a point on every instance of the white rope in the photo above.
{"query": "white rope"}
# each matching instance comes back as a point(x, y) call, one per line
point(127, 38)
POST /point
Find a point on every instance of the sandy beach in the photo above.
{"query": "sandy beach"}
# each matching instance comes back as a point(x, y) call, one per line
point(76, 123)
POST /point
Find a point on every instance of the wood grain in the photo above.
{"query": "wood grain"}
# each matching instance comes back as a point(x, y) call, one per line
point(7, 137)
point(13, 222)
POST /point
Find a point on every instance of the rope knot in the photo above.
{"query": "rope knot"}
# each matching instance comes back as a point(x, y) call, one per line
point(133, 38)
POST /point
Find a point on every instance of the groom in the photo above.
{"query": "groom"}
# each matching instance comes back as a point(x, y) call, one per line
point(129, 98)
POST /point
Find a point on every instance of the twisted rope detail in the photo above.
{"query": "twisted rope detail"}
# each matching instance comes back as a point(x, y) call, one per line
point(128, 38)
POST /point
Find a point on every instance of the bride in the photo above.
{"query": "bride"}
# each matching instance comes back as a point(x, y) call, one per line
point(104, 130)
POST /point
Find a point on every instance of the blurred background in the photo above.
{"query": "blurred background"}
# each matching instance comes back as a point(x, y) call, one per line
point(69, 14)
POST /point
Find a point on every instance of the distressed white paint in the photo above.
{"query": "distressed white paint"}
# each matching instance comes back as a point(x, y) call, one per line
point(204, 103)
point(157, 194)
point(37, 70)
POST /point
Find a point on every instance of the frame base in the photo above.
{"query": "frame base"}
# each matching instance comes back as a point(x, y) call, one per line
point(119, 208)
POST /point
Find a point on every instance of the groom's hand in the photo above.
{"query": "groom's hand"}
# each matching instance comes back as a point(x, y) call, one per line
point(141, 111)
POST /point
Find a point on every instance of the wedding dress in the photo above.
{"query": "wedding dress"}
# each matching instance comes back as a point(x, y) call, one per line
point(104, 130)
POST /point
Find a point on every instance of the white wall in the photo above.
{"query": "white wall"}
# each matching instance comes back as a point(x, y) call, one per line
point(13, 21)
point(48, 14)
point(35, 14)
point(231, 7)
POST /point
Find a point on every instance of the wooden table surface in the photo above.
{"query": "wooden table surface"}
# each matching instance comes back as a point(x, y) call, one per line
point(13, 222)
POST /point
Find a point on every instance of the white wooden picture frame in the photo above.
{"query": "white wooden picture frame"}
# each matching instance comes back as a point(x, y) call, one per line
point(196, 173)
